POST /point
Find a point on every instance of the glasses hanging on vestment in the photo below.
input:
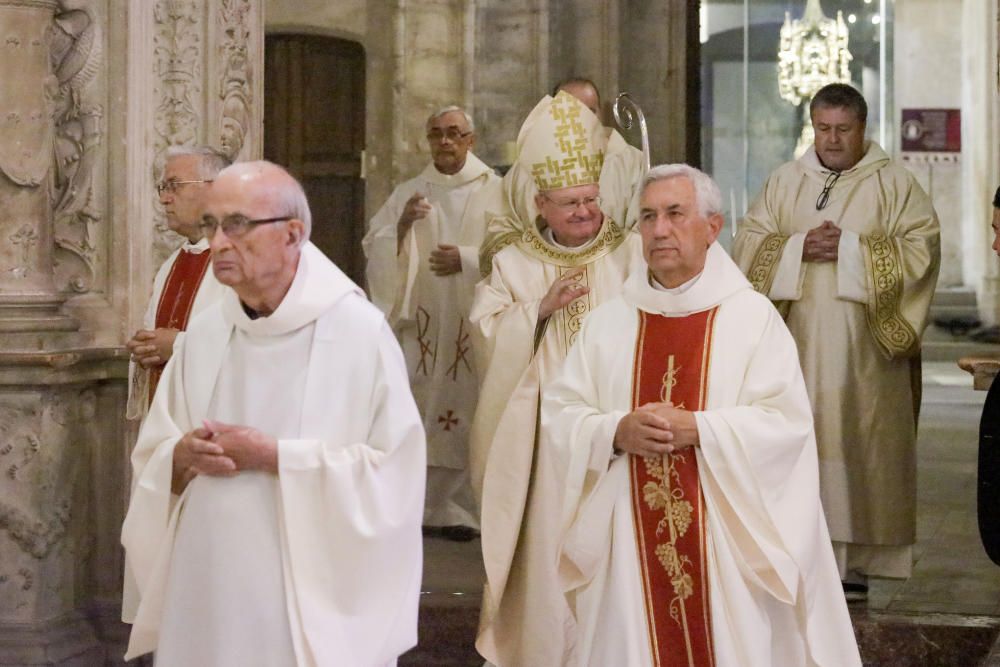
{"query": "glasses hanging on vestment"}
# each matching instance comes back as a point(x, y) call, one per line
point(824, 196)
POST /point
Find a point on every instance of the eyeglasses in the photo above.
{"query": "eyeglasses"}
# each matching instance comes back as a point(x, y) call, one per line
point(171, 186)
point(572, 204)
point(235, 225)
point(824, 196)
point(452, 133)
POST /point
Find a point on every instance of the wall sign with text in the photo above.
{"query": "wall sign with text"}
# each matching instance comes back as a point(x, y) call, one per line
point(932, 130)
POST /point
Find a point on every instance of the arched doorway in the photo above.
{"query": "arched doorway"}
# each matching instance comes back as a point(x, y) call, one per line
point(314, 124)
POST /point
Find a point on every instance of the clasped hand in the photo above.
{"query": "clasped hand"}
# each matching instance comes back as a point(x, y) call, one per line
point(221, 450)
point(822, 243)
point(655, 429)
point(152, 347)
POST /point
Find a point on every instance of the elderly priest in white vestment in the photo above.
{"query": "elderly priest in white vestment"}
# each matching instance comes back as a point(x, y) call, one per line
point(546, 272)
point(693, 532)
point(423, 265)
point(279, 476)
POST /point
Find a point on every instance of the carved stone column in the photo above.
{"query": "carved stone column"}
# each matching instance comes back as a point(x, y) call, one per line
point(28, 297)
point(92, 92)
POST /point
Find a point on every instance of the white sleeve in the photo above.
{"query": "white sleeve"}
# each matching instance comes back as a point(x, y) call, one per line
point(787, 285)
point(852, 284)
point(356, 508)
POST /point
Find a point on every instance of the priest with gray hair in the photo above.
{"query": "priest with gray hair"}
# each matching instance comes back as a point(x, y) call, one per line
point(692, 530)
point(423, 264)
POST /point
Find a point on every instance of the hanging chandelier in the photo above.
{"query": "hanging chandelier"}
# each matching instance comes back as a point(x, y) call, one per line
point(812, 53)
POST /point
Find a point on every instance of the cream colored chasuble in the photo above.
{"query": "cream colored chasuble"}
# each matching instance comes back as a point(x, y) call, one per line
point(858, 324)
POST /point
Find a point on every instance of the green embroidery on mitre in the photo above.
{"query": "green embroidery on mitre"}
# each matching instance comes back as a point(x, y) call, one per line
point(765, 262)
point(885, 271)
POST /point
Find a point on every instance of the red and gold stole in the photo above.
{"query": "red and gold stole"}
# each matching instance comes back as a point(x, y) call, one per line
point(177, 298)
point(671, 365)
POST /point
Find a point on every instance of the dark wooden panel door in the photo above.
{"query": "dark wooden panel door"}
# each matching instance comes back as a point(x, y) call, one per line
point(314, 124)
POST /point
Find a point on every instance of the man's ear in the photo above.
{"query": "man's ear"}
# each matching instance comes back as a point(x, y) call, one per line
point(715, 223)
point(539, 200)
point(296, 230)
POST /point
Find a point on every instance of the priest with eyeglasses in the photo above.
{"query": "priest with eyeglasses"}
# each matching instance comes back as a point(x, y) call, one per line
point(422, 248)
point(846, 243)
point(548, 260)
point(279, 476)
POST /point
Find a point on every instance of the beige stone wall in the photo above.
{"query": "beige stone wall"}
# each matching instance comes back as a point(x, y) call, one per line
point(928, 48)
point(511, 71)
point(346, 18)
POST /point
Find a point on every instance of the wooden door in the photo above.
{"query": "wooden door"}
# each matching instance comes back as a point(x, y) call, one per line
point(314, 125)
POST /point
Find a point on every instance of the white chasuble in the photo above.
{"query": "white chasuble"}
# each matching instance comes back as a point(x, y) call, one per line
point(319, 564)
point(429, 313)
point(525, 620)
point(774, 596)
point(858, 324)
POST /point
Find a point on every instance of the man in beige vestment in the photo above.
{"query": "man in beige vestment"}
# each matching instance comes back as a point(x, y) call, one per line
point(846, 243)
point(423, 264)
point(544, 275)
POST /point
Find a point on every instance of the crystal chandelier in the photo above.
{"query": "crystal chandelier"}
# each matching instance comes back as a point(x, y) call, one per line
point(811, 54)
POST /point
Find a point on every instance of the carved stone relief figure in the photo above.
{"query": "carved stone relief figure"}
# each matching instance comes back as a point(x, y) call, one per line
point(26, 139)
point(177, 55)
point(76, 58)
point(236, 83)
point(44, 440)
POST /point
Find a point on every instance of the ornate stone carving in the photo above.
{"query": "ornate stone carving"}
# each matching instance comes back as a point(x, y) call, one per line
point(76, 59)
point(236, 82)
point(178, 54)
point(38, 470)
point(26, 139)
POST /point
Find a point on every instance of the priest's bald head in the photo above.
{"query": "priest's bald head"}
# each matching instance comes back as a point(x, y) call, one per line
point(256, 218)
point(679, 219)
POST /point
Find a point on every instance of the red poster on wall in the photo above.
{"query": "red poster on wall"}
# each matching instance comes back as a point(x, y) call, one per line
point(932, 130)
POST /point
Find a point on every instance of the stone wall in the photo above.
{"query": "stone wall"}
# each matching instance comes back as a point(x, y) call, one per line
point(94, 91)
point(928, 48)
point(497, 58)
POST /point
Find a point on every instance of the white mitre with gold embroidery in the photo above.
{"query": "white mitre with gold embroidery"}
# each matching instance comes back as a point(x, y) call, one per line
point(561, 143)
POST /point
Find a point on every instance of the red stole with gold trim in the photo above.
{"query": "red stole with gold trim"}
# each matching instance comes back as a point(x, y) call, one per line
point(177, 298)
point(671, 366)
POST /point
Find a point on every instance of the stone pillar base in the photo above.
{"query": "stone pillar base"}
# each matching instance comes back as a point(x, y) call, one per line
point(26, 313)
point(66, 642)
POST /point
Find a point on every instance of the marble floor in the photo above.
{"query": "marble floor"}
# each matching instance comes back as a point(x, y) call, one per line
point(946, 613)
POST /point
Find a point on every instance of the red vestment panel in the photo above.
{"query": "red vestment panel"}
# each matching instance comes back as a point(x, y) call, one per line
point(671, 366)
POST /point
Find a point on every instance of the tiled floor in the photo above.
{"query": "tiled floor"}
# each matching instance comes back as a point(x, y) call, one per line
point(953, 584)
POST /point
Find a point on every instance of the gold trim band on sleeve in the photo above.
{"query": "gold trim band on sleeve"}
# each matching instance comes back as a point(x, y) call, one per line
point(891, 330)
point(764, 267)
